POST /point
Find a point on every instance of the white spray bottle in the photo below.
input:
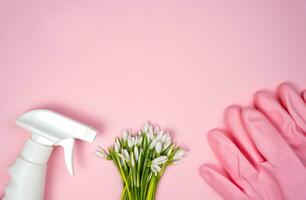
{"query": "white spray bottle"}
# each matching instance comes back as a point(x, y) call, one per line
point(48, 129)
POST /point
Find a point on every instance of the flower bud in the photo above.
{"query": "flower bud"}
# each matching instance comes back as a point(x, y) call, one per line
point(150, 130)
point(158, 147)
point(179, 154)
point(136, 153)
point(159, 160)
point(159, 135)
point(156, 129)
point(139, 141)
point(130, 141)
point(101, 153)
point(126, 155)
point(116, 147)
point(166, 144)
point(156, 169)
point(152, 145)
point(146, 127)
point(125, 134)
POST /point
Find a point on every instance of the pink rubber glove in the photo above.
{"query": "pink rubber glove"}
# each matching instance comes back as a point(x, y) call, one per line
point(261, 164)
point(290, 120)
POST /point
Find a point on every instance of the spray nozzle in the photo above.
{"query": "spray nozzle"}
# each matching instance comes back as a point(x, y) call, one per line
point(52, 129)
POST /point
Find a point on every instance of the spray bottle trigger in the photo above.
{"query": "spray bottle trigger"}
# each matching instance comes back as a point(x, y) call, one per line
point(68, 144)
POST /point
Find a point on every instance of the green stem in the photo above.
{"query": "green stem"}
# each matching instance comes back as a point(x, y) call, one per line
point(123, 193)
point(151, 189)
point(123, 177)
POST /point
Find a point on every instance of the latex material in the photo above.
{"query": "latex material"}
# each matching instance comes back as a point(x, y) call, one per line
point(263, 152)
point(290, 120)
point(48, 129)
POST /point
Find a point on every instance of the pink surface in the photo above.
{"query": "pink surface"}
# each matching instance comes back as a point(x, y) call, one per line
point(119, 63)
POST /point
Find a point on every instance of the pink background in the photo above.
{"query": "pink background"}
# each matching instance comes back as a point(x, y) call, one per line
point(118, 63)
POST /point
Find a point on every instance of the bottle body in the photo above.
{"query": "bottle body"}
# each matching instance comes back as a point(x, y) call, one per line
point(28, 173)
point(27, 181)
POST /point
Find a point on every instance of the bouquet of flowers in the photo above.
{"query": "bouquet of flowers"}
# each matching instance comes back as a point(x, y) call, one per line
point(142, 158)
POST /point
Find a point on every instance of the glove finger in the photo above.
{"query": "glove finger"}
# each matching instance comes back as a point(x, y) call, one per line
point(234, 162)
point(222, 185)
point(270, 187)
point(269, 141)
point(294, 104)
point(304, 95)
point(280, 118)
point(237, 130)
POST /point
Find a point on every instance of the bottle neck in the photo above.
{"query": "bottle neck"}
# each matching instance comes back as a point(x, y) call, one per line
point(36, 153)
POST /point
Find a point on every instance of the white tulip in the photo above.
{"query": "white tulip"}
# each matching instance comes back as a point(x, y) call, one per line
point(151, 130)
point(139, 141)
point(146, 127)
point(125, 134)
point(148, 137)
point(117, 148)
point(150, 148)
point(167, 143)
point(164, 137)
point(134, 139)
point(151, 135)
point(159, 160)
point(167, 136)
point(159, 135)
point(126, 155)
point(130, 141)
point(156, 129)
point(152, 145)
point(158, 147)
point(101, 153)
point(170, 150)
point(179, 154)
point(117, 142)
point(156, 169)
point(117, 145)
point(136, 153)
point(176, 162)
point(122, 158)
point(122, 162)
